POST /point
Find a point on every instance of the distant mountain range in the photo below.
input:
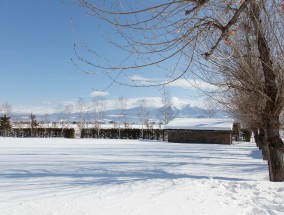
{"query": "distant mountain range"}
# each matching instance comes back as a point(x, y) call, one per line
point(131, 114)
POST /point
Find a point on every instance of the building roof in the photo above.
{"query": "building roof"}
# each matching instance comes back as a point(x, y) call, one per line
point(218, 124)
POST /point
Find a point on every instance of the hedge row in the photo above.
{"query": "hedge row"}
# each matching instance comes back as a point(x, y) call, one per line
point(39, 132)
point(150, 134)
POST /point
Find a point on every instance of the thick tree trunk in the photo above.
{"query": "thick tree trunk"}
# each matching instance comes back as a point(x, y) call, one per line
point(255, 135)
point(262, 145)
point(265, 151)
point(275, 153)
point(272, 106)
point(276, 164)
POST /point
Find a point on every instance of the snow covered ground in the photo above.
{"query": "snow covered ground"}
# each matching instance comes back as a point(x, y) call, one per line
point(129, 177)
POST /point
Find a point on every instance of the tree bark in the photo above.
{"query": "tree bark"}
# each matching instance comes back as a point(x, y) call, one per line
point(272, 112)
point(255, 135)
point(262, 144)
point(276, 163)
point(275, 155)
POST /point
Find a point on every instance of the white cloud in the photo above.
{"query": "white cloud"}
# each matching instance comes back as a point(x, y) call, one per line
point(180, 103)
point(177, 102)
point(45, 107)
point(35, 109)
point(99, 93)
point(150, 101)
point(181, 82)
point(134, 102)
point(46, 102)
point(156, 102)
point(140, 78)
point(192, 84)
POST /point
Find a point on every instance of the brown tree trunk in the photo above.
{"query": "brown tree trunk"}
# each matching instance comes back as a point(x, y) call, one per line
point(263, 146)
point(272, 112)
point(275, 153)
point(265, 152)
point(276, 163)
point(255, 135)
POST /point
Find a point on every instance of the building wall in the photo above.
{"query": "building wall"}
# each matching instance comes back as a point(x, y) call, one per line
point(192, 136)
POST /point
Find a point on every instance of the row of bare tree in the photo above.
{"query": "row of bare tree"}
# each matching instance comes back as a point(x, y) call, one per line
point(94, 113)
point(99, 106)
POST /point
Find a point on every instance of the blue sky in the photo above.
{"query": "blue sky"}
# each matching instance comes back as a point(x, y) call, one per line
point(36, 48)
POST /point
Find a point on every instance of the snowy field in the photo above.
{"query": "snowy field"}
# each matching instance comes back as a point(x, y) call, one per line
point(120, 177)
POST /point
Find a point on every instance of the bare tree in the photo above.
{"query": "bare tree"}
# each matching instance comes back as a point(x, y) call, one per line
point(46, 123)
point(121, 107)
point(64, 112)
point(166, 112)
point(254, 72)
point(248, 107)
point(210, 107)
point(143, 115)
point(68, 109)
point(20, 125)
point(81, 108)
point(60, 116)
point(99, 108)
point(6, 109)
point(260, 57)
point(157, 32)
point(190, 32)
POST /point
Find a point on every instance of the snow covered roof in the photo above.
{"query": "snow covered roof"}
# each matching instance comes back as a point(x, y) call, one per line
point(218, 124)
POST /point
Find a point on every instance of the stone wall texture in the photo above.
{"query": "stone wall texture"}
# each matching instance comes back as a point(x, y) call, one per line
point(195, 136)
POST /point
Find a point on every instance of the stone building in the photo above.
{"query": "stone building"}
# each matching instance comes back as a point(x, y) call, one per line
point(200, 130)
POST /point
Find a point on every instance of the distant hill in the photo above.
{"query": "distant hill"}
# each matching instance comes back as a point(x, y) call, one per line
point(131, 114)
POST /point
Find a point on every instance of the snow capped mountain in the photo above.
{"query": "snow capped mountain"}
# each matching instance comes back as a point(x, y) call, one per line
point(132, 114)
